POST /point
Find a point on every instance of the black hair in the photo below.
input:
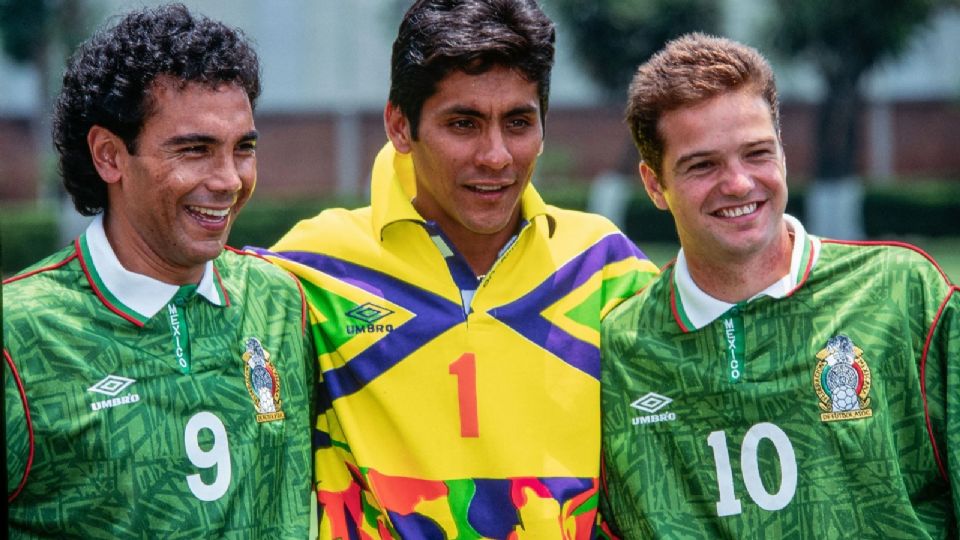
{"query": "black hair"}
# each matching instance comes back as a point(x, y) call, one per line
point(108, 83)
point(472, 36)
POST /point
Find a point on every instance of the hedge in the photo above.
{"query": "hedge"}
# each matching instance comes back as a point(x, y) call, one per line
point(29, 232)
point(908, 209)
point(915, 209)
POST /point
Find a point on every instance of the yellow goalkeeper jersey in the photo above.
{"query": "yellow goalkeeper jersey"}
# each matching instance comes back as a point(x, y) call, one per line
point(457, 407)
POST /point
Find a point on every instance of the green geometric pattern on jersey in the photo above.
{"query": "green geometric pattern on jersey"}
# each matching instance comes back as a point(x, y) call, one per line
point(872, 477)
point(122, 471)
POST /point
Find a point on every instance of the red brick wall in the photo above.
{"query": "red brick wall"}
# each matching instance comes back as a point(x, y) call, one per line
point(927, 138)
point(19, 170)
point(297, 151)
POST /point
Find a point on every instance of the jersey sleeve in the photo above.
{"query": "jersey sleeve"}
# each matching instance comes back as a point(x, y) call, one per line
point(621, 280)
point(339, 487)
point(339, 484)
point(940, 386)
point(342, 505)
point(946, 341)
point(627, 276)
point(17, 425)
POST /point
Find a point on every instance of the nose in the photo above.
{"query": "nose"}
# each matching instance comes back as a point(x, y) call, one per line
point(737, 180)
point(494, 153)
point(228, 175)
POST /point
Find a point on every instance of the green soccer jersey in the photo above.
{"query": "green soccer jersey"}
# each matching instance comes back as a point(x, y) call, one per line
point(828, 407)
point(137, 409)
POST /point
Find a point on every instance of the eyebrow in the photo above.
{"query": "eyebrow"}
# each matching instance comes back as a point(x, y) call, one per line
point(468, 111)
point(707, 153)
point(200, 138)
point(689, 157)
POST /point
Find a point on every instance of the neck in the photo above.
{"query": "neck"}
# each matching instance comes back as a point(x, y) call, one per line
point(137, 257)
point(481, 250)
point(737, 280)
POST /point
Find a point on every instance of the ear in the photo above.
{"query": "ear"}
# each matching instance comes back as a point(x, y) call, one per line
point(108, 152)
point(397, 127)
point(651, 183)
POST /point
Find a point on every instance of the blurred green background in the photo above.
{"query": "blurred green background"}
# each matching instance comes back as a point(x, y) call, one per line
point(927, 215)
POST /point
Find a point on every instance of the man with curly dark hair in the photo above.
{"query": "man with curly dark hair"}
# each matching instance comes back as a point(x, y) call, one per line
point(157, 385)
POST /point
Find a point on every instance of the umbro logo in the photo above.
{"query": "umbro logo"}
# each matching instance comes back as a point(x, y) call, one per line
point(368, 314)
point(652, 402)
point(111, 385)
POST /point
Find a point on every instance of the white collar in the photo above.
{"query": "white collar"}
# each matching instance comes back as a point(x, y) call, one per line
point(143, 295)
point(696, 308)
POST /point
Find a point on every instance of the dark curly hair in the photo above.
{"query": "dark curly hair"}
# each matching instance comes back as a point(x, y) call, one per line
point(109, 78)
point(440, 36)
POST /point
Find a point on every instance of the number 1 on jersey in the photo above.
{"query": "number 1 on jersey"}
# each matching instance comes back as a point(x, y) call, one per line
point(465, 370)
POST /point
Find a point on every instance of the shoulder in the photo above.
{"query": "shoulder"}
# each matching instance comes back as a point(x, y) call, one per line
point(893, 276)
point(252, 274)
point(46, 295)
point(47, 276)
point(327, 230)
point(581, 230)
point(645, 317)
point(335, 234)
point(640, 307)
point(576, 222)
point(885, 259)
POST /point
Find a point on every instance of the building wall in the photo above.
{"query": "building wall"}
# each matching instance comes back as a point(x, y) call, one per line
point(326, 75)
point(928, 138)
point(298, 153)
point(19, 172)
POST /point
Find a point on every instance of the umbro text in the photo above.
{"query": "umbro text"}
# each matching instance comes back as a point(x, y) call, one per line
point(654, 418)
point(113, 402)
point(369, 329)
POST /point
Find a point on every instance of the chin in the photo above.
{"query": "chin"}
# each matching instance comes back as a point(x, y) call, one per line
point(207, 252)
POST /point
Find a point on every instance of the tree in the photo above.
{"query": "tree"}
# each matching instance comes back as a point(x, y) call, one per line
point(613, 37)
point(41, 34)
point(36, 33)
point(844, 41)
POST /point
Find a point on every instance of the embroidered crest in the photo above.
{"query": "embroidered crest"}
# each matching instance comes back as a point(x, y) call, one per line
point(842, 381)
point(262, 380)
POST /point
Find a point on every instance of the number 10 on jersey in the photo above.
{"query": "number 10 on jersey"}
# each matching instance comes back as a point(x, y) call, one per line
point(729, 503)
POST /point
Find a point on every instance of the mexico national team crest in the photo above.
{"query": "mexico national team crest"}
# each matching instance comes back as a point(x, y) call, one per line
point(263, 382)
point(842, 381)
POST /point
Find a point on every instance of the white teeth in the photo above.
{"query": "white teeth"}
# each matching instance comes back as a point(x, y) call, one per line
point(738, 211)
point(210, 212)
point(487, 188)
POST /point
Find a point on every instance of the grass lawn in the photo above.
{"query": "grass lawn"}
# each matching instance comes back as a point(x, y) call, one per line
point(946, 251)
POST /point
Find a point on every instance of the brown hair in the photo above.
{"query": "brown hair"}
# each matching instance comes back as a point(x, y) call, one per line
point(689, 70)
